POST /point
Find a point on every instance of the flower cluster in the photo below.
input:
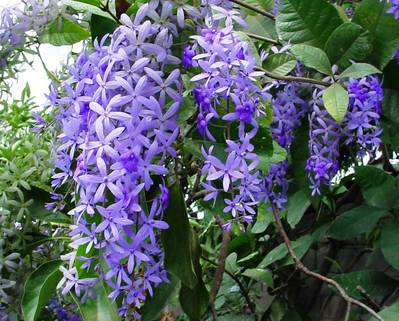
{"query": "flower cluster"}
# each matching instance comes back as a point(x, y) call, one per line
point(60, 312)
point(16, 21)
point(324, 138)
point(226, 91)
point(288, 110)
point(362, 122)
point(361, 130)
point(117, 113)
point(394, 9)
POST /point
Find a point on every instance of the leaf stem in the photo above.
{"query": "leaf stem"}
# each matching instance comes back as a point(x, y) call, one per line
point(293, 78)
point(253, 8)
point(300, 266)
point(262, 38)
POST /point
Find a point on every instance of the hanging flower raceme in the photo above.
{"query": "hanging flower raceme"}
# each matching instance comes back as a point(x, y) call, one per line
point(226, 91)
point(324, 139)
point(360, 130)
point(17, 20)
point(362, 122)
point(394, 8)
point(117, 113)
point(288, 110)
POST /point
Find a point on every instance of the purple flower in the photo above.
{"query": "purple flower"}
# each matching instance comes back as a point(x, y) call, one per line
point(325, 135)
point(394, 9)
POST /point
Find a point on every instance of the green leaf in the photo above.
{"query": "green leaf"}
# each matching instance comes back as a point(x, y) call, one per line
point(260, 275)
point(312, 57)
point(378, 187)
point(263, 219)
point(280, 63)
point(357, 221)
point(376, 284)
point(100, 26)
point(349, 42)
point(39, 288)
point(64, 32)
point(187, 110)
point(92, 2)
point(304, 21)
point(359, 70)
point(99, 308)
point(86, 7)
point(336, 101)
point(390, 313)
point(194, 302)
point(389, 243)
point(296, 207)
point(262, 26)
point(372, 15)
point(176, 239)
point(265, 160)
point(231, 263)
point(300, 246)
point(153, 306)
point(390, 116)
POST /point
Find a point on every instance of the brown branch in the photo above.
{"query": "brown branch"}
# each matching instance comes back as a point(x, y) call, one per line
point(386, 163)
point(239, 283)
point(262, 38)
point(300, 266)
point(293, 78)
point(368, 298)
point(348, 311)
point(253, 8)
point(218, 277)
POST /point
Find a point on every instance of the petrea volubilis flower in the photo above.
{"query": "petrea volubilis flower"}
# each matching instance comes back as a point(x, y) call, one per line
point(288, 110)
point(226, 90)
point(362, 122)
point(394, 8)
point(118, 119)
point(324, 139)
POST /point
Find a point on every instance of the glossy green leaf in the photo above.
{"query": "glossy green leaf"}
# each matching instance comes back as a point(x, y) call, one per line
point(153, 306)
point(389, 243)
point(297, 205)
point(87, 6)
point(390, 313)
point(372, 15)
point(231, 263)
point(300, 246)
point(280, 63)
point(187, 109)
point(260, 275)
point(176, 239)
point(100, 308)
point(303, 21)
point(194, 302)
point(357, 221)
point(349, 42)
point(312, 57)
point(376, 284)
point(359, 70)
point(263, 219)
point(378, 187)
point(39, 288)
point(336, 101)
point(100, 26)
point(64, 32)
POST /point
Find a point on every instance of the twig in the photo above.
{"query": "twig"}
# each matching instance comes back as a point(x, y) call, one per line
point(387, 164)
point(300, 266)
point(253, 8)
point(368, 298)
point(218, 277)
point(191, 196)
point(348, 311)
point(262, 38)
point(293, 78)
point(239, 283)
